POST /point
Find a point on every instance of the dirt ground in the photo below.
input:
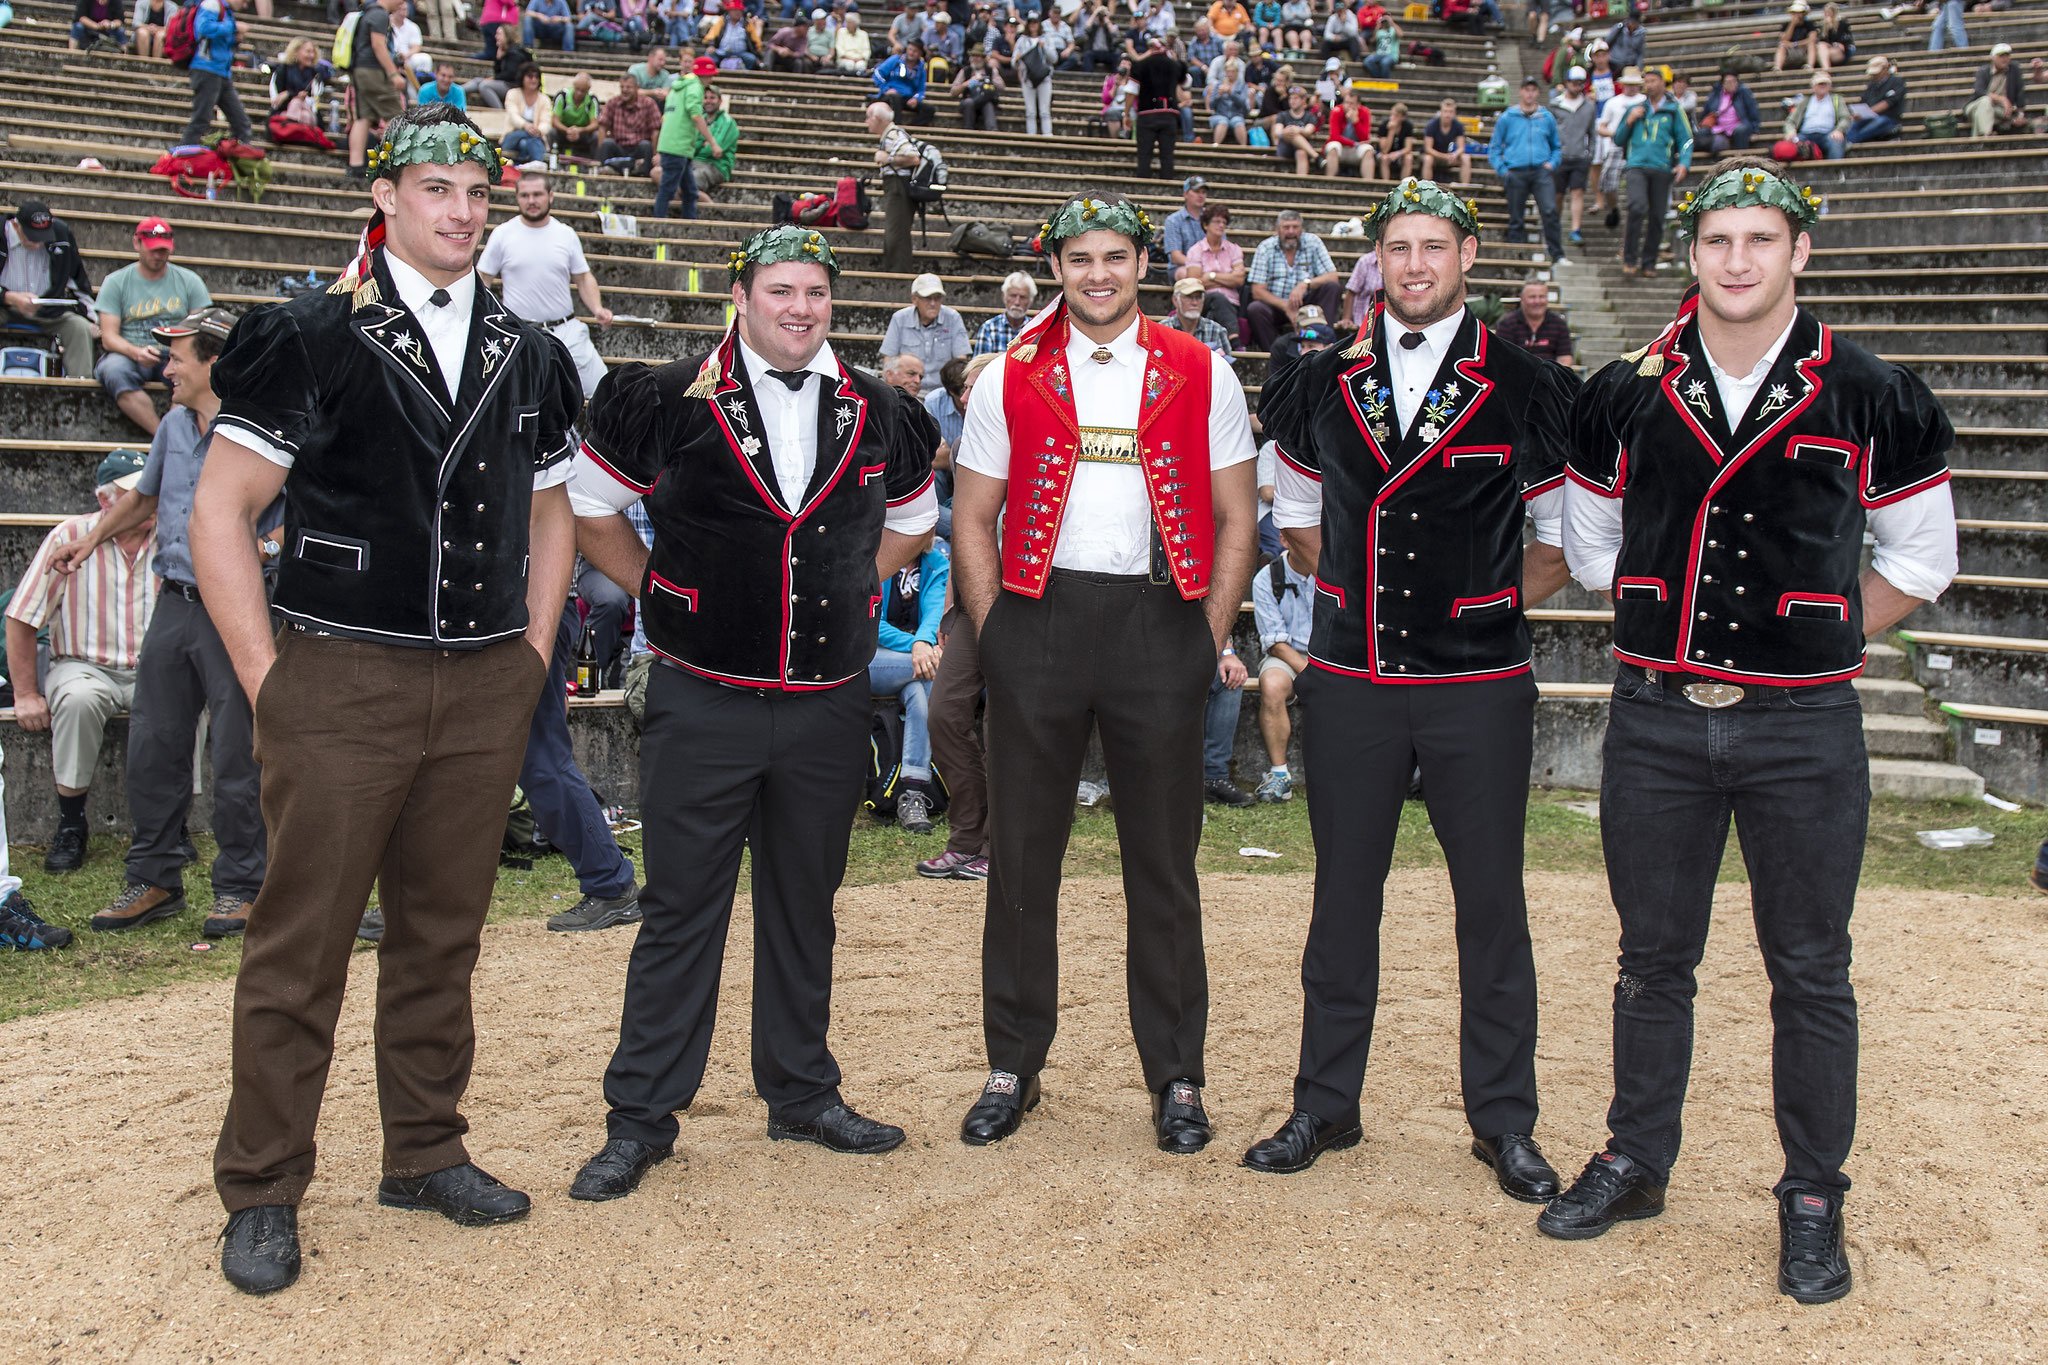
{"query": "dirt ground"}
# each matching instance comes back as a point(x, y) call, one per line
point(1076, 1239)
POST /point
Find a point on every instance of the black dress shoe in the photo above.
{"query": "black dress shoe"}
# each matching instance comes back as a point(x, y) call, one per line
point(616, 1170)
point(842, 1130)
point(1003, 1103)
point(1811, 1265)
point(1301, 1139)
point(67, 849)
point(1610, 1189)
point(259, 1250)
point(1519, 1166)
point(1177, 1114)
point(464, 1194)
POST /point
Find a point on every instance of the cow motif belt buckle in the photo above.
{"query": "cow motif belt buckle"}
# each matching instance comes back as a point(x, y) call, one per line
point(1713, 696)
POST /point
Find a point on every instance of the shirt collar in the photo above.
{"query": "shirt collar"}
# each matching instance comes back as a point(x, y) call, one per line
point(1436, 338)
point(1763, 365)
point(415, 288)
point(824, 363)
point(1124, 347)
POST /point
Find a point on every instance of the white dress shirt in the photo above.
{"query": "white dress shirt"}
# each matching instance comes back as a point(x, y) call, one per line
point(447, 329)
point(1298, 499)
point(789, 422)
point(1916, 536)
point(1107, 524)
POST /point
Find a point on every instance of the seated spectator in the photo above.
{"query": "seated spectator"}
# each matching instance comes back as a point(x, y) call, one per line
point(527, 121)
point(653, 74)
point(550, 23)
point(494, 15)
point(150, 19)
point(443, 89)
point(97, 615)
point(489, 91)
point(1297, 25)
point(1730, 117)
point(789, 50)
point(1884, 94)
point(1349, 140)
point(302, 76)
point(1283, 608)
point(407, 48)
point(1535, 328)
point(1295, 132)
point(1205, 47)
point(1998, 102)
point(1289, 270)
point(906, 661)
point(1831, 42)
point(1098, 45)
point(677, 19)
point(1443, 139)
point(97, 22)
point(45, 284)
point(1795, 39)
point(905, 372)
point(1266, 25)
point(1314, 333)
point(1340, 32)
point(1020, 294)
point(733, 39)
point(948, 406)
point(636, 16)
point(1187, 317)
point(133, 301)
point(1272, 100)
point(900, 84)
point(1228, 18)
point(630, 123)
point(1386, 51)
point(1218, 264)
point(927, 329)
point(818, 40)
point(1820, 118)
point(1118, 92)
point(906, 28)
point(943, 47)
point(1396, 144)
point(851, 47)
point(1229, 100)
point(599, 21)
point(574, 118)
point(712, 165)
point(978, 87)
point(1361, 292)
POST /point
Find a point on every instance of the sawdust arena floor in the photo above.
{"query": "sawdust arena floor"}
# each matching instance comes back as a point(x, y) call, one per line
point(1076, 1239)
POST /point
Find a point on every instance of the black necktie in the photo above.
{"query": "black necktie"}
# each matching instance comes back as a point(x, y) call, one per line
point(439, 298)
point(1410, 340)
point(792, 379)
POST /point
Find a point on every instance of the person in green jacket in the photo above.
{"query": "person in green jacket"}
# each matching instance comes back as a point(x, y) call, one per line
point(684, 132)
point(1656, 144)
point(713, 168)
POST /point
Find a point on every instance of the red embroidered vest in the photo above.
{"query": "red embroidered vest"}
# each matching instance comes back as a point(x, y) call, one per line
point(1173, 450)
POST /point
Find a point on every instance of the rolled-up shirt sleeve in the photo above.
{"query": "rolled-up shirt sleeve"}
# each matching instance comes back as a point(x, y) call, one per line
point(1916, 542)
point(1591, 536)
point(1546, 509)
point(1297, 498)
point(915, 516)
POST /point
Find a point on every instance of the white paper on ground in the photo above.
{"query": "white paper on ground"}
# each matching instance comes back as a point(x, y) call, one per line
point(1258, 853)
point(1968, 837)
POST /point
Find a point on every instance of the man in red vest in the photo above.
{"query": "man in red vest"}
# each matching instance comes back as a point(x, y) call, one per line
point(1105, 521)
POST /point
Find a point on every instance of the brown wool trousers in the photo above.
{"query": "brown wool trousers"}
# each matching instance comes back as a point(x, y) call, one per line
point(387, 765)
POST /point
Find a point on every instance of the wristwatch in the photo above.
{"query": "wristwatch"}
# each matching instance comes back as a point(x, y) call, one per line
point(1228, 650)
point(269, 547)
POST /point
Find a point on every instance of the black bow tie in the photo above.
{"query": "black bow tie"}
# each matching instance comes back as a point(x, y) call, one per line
point(439, 298)
point(792, 379)
point(1410, 340)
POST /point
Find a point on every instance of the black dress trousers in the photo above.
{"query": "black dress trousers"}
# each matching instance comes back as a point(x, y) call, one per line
point(1132, 658)
point(722, 768)
point(1361, 741)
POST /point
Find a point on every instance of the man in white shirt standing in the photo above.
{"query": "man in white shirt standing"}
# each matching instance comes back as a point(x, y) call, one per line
point(538, 260)
point(1744, 452)
point(1104, 530)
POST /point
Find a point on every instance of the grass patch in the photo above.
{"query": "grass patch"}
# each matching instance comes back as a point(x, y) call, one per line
point(1559, 839)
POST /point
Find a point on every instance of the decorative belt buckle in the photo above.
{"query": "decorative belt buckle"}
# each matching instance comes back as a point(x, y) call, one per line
point(1713, 696)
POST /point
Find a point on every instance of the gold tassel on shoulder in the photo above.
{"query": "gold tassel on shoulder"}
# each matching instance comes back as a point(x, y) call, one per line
point(706, 382)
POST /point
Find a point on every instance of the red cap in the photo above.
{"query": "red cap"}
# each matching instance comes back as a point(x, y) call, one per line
point(704, 66)
point(152, 229)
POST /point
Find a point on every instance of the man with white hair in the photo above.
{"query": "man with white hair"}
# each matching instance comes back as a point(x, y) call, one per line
point(896, 158)
point(1020, 294)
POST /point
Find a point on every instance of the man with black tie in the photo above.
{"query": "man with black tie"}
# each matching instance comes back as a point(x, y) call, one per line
point(783, 489)
point(1408, 462)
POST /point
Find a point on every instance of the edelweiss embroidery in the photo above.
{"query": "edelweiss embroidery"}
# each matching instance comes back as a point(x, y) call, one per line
point(737, 410)
point(1777, 400)
point(494, 351)
point(842, 418)
point(1696, 396)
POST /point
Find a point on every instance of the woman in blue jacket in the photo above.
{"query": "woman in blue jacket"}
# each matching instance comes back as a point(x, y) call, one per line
point(913, 603)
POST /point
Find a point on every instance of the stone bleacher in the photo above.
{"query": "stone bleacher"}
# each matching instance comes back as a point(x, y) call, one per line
point(1933, 253)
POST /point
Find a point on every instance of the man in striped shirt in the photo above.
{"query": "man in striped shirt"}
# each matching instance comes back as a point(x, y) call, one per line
point(97, 616)
point(1020, 293)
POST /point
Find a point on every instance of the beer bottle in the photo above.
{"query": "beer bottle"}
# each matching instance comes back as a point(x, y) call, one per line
point(585, 672)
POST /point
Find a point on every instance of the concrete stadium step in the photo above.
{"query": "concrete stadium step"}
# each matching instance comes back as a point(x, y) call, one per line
point(1883, 661)
point(2007, 744)
point(1978, 604)
point(1919, 779)
point(1891, 696)
point(1995, 670)
point(2002, 548)
point(2000, 493)
point(1896, 736)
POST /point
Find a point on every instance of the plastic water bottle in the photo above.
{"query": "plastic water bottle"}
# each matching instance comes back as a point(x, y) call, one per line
point(212, 191)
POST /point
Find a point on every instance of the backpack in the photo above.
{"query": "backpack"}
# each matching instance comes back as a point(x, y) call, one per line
point(181, 40)
point(189, 167)
point(982, 239)
point(1427, 55)
point(928, 181)
point(885, 766)
point(344, 52)
point(850, 203)
point(1037, 70)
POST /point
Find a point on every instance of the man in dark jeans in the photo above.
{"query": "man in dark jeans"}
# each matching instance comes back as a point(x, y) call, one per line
point(1740, 618)
point(1157, 112)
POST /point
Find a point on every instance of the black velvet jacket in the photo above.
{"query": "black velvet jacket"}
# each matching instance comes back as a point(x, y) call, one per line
point(405, 518)
point(1740, 550)
point(738, 588)
point(1421, 572)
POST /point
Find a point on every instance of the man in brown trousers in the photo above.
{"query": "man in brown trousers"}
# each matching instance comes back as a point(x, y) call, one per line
point(420, 436)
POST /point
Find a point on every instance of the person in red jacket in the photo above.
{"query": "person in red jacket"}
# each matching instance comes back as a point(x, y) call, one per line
point(1350, 139)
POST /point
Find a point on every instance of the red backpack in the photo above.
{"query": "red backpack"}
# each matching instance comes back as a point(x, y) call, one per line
point(181, 41)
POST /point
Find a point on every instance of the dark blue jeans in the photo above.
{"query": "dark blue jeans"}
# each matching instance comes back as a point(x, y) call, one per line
point(1789, 765)
point(1219, 729)
point(675, 175)
point(564, 807)
point(1521, 182)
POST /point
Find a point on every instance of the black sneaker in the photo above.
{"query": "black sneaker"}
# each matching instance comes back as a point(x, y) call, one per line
point(1613, 218)
point(1227, 793)
point(598, 912)
point(1811, 1265)
point(67, 849)
point(1611, 1189)
point(23, 930)
point(370, 929)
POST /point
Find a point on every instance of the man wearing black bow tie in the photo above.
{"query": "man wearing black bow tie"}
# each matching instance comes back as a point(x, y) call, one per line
point(1408, 461)
point(783, 488)
point(420, 436)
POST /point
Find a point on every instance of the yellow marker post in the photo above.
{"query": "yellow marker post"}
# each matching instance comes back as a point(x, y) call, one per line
point(579, 189)
point(661, 251)
point(693, 279)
